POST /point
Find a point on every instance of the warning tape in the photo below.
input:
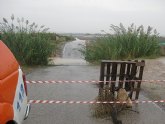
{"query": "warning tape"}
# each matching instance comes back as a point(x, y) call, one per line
point(92, 102)
point(90, 81)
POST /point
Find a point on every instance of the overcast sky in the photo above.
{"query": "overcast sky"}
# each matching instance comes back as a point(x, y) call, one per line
point(87, 16)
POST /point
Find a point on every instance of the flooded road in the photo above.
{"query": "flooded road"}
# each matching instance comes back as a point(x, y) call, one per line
point(78, 113)
point(71, 54)
point(71, 49)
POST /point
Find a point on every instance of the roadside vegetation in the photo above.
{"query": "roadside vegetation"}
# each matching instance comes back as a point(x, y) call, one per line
point(30, 43)
point(124, 43)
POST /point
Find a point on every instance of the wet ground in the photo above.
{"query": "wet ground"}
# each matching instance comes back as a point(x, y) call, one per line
point(79, 113)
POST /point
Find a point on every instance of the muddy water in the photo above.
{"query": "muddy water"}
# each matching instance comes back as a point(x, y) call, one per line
point(71, 54)
point(71, 49)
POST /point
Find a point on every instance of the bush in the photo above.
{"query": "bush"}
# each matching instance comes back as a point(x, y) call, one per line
point(125, 43)
point(30, 45)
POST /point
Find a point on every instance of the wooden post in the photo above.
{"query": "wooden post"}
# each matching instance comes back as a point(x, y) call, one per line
point(108, 73)
point(127, 83)
point(122, 74)
point(140, 78)
point(102, 74)
point(113, 76)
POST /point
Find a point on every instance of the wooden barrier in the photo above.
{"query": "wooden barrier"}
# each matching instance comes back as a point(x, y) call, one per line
point(121, 72)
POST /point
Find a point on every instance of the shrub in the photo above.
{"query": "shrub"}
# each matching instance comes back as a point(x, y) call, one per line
point(124, 43)
point(30, 44)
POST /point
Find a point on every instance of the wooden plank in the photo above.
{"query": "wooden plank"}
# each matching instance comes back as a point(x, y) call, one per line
point(108, 73)
point(127, 83)
point(113, 77)
point(122, 74)
point(118, 62)
point(140, 63)
point(139, 78)
point(132, 76)
point(102, 67)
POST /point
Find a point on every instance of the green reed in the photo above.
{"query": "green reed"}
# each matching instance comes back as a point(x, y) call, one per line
point(30, 43)
point(125, 43)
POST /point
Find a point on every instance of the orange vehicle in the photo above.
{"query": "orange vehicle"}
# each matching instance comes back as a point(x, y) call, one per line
point(14, 107)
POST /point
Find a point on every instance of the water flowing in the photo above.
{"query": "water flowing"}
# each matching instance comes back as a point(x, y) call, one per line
point(71, 54)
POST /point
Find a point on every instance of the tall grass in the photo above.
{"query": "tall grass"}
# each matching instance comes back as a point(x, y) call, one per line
point(30, 43)
point(124, 43)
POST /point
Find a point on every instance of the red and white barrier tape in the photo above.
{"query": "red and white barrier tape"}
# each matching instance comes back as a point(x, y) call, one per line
point(90, 81)
point(92, 102)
